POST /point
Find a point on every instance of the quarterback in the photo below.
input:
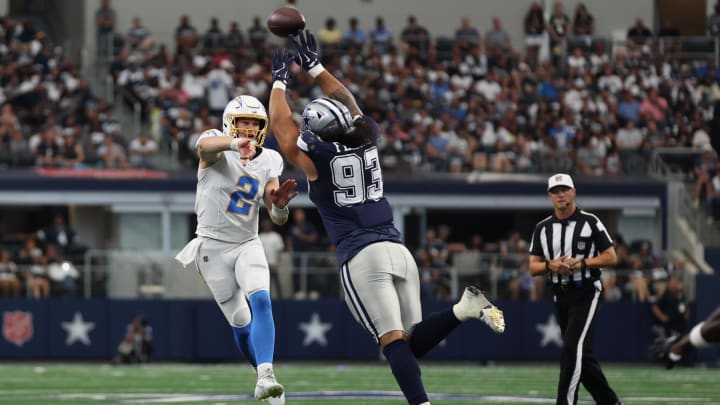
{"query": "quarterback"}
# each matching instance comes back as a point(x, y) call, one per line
point(234, 176)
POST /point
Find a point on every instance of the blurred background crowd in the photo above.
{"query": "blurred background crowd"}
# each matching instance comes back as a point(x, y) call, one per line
point(566, 100)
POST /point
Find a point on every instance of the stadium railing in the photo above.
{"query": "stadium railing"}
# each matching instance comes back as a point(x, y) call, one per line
point(310, 275)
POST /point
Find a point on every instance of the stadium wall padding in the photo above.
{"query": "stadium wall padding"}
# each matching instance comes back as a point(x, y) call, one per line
point(195, 330)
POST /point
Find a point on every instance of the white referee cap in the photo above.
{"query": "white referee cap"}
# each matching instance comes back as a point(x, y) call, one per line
point(560, 179)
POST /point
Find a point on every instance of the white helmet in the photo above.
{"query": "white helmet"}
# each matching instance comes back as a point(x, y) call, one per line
point(245, 107)
point(326, 117)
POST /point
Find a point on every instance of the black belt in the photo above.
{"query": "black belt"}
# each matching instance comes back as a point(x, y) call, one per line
point(574, 284)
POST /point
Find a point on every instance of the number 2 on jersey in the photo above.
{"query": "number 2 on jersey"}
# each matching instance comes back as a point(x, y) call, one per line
point(248, 187)
point(348, 172)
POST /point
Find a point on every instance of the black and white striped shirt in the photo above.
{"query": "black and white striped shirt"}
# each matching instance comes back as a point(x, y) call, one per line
point(582, 235)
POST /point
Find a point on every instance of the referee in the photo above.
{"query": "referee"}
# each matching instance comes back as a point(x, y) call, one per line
point(571, 247)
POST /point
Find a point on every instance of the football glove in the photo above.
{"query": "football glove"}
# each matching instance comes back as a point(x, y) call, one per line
point(306, 46)
point(282, 59)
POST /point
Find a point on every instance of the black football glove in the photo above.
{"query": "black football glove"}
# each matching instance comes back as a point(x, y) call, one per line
point(282, 59)
point(306, 46)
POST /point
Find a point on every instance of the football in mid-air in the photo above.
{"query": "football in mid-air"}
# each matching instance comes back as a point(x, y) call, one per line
point(286, 21)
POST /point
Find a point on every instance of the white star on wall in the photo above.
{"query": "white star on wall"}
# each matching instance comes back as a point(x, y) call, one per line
point(551, 332)
point(78, 330)
point(315, 330)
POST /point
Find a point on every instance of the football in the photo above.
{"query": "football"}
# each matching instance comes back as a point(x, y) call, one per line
point(286, 21)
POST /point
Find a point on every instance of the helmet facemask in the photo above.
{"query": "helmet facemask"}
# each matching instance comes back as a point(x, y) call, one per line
point(245, 108)
point(236, 130)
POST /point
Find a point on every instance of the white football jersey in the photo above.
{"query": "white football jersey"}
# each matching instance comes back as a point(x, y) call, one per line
point(229, 195)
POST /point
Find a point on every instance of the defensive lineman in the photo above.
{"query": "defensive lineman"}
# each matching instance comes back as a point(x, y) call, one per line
point(235, 174)
point(338, 153)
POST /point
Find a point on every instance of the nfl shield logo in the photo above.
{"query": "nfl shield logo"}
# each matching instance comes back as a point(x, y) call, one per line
point(581, 245)
point(17, 327)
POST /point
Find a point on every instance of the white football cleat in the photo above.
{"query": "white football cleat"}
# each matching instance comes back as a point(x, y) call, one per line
point(474, 304)
point(277, 400)
point(267, 386)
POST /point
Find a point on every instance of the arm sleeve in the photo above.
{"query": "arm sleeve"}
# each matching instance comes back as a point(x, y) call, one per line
point(208, 133)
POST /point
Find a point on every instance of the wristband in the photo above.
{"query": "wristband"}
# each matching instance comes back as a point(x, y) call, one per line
point(235, 144)
point(280, 212)
point(316, 70)
point(547, 266)
point(278, 84)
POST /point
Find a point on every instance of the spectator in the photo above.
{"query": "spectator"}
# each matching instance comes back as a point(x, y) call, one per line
point(330, 38)
point(577, 61)
point(467, 36)
point(71, 154)
point(611, 291)
point(9, 276)
point(62, 273)
point(186, 37)
point(105, 29)
point(58, 234)
point(219, 86)
point(36, 276)
point(584, 25)
point(558, 27)
point(112, 154)
point(416, 40)
point(141, 152)
point(701, 137)
point(639, 34)
point(214, 35)
point(629, 108)
point(671, 311)
point(137, 344)
point(47, 152)
point(257, 37)
point(497, 43)
point(139, 37)
point(654, 106)
point(535, 38)
point(381, 38)
point(353, 37)
point(234, 40)
point(629, 138)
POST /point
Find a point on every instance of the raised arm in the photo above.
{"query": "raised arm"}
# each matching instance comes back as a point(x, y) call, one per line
point(281, 122)
point(210, 147)
point(306, 47)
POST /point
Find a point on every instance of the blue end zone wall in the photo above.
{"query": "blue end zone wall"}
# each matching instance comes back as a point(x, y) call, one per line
point(306, 330)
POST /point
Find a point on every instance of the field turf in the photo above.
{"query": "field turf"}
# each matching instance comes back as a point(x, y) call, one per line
point(351, 383)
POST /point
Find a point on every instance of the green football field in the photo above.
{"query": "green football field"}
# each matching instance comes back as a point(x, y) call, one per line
point(351, 383)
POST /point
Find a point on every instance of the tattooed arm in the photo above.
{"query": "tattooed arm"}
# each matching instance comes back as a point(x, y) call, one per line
point(333, 88)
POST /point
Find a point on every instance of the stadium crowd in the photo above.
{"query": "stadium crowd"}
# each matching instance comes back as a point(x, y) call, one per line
point(566, 102)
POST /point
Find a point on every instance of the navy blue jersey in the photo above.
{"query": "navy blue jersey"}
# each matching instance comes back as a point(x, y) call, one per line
point(349, 194)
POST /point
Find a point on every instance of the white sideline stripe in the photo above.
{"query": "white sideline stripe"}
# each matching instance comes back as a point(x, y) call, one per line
point(158, 398)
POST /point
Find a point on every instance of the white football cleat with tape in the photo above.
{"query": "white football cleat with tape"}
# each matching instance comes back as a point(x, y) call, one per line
point(474, 304)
